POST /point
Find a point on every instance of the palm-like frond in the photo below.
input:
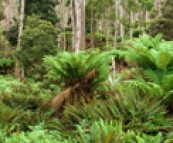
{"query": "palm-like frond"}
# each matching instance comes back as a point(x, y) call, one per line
point(136, 112)
point(82, 73)
point(74, 66)
point(149, 52)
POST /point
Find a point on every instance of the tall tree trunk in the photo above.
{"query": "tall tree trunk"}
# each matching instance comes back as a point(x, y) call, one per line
point(80, 25)
point(116, 2)
point(64, 24)
point(73, 20)
point(83, 25)
point(121, 25)
point(21, 19)
point(116, 23)
point(107, 27)
point(132, 22)
point(8, 21)
point(92, 25)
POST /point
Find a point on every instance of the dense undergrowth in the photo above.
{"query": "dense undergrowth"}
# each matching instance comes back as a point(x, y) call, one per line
point(137, 108)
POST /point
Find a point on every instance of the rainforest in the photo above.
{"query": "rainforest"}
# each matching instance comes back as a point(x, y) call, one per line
point(86, 71)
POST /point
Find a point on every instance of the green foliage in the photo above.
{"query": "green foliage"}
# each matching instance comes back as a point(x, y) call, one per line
point(162, 23)
point(150, 52)
point(7, 83)
point(45, 9)
point(1, 11)
point(12, 34)
point(16, 119)
point(69, 68)
point(111, 132)
point(20, 104)
point(136, 112)
point(34, 99)
point(6, 62)
point(152, 58)
point(39, 39)
point(37, 135)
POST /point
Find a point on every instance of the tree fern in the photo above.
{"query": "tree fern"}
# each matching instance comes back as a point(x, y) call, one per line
point(74, 66)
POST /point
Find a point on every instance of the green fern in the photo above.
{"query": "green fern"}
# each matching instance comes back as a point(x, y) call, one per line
point(6, 62)
point(72, 67)
point(149, 52)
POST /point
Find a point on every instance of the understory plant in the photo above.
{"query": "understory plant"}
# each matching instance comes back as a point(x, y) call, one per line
point(20, 105)
point(80, 74)
point(140, 114)
point(152, 59)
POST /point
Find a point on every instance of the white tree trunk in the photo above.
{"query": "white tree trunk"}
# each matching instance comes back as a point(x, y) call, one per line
point(80, 25)
point(83, 25)
point(116, 3)
point(8, 21)
point(8, 12)
point(121, 25)
point(17, 64)
point(21, 22)
point(73, 25)
point(116, 23)
point(92, 24)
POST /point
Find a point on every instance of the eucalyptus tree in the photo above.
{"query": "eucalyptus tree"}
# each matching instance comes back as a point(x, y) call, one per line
point(8, 20)
point(99, 15)
point(20, 30)
point(136, 14)
point(79, 6)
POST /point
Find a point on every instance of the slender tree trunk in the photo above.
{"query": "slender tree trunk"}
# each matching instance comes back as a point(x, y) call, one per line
point(17, 64)
point(64, 25)
point(116, 23)
point(21, 22)
point(83, 25)
point(146, 19)
point(78, 33)
point(92, 25)
point(116, 3)
point(73, 20)
point(132, 22)
point(121, 25)
point(8, 21)
point(107, 27)
point(80, 25)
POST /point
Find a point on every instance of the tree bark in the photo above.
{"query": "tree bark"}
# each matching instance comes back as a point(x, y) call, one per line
point(116, 23)
point(21, 19)
point(92, 25)
point(83, 25)
point(80, 25)
point(131, 27)
point(73, 20)
point(8, 21)
point(121, 25)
